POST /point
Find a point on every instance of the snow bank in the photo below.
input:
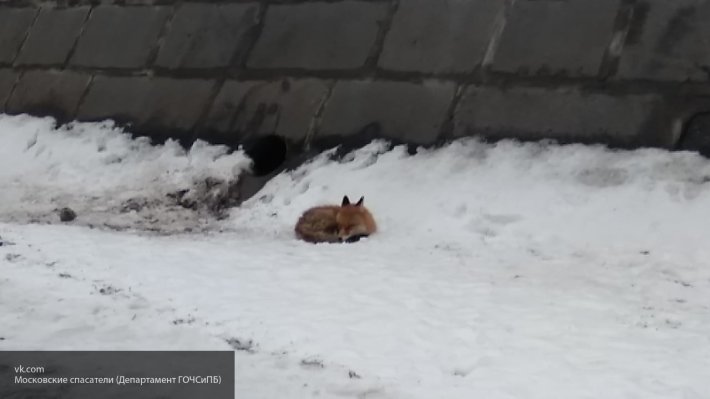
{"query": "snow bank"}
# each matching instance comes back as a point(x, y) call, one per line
point(107, 177)
point(521, 196)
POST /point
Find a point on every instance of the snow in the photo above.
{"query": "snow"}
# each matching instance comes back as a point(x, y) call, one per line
point(501, 270)
point(108, 178)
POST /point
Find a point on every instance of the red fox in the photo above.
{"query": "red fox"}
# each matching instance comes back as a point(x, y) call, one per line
point(332, 223)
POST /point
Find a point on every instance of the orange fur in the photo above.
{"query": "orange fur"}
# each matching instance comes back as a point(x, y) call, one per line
point(333, 223)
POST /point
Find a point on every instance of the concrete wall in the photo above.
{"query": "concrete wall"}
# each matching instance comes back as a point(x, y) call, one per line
point(624, 72)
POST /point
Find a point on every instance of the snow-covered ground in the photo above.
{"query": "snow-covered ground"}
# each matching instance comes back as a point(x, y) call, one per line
point(499, 271)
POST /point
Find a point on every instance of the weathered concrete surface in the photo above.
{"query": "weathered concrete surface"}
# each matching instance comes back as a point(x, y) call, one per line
point(48, 93)
point(14, 24)
point(550, 37)
point(207, 35)
point(318, 35)
point(220, 119)
point(149, 103)
point(440, 36)
point(413, 113)
point(52, 36)
point(120, 37)
point(670, 41)
point(283, 107)
point(7, 81)
point(564, 114)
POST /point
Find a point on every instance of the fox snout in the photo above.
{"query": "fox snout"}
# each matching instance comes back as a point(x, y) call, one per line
point(354, 238)
point(353, 233)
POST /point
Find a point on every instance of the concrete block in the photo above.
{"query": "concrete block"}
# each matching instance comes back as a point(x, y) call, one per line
point(407, 112)
point(8, 78)
point(120, 98)
point(669, 40)
point(285, 108)
point(564, 114)
point(318, 35)
point(218, 125)
point(162, 104)
point(551, 37)
point(120, 36)
point(207, 35)
point(14, 24)
point(48, 93)
point(440, 36)
point(52, 36)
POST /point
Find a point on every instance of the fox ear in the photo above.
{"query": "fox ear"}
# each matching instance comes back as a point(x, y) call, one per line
point(346, 201)
point(361, 201)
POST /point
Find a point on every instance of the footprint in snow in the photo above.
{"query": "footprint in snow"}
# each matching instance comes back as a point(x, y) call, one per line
point(489, 224)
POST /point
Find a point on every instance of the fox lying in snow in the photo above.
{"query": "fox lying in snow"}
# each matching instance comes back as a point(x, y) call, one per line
point(332, 223)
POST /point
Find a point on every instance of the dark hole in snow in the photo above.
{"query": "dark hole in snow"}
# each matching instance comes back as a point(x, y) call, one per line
point(696, 134)
point(67, 215)
point(267, 153)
